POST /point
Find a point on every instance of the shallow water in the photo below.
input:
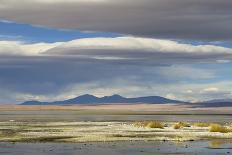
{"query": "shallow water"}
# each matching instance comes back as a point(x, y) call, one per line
point(115, 148)
point(63, 115)
point(215, 147)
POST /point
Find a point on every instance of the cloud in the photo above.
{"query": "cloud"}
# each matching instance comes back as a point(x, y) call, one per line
point(129, 50)
point(211, 89)
point(195, 91)
point(178, 19)
point(17, 48)
point(134, 65)
point(129, 66)
point(214, 92)
point(50, 78)
point(125, 87)
point(223, 61)
point(142, 44)
point(185, 73)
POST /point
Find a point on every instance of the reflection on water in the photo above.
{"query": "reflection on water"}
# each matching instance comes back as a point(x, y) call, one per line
point(213, 147)
point(220, 144)
point(112, 148)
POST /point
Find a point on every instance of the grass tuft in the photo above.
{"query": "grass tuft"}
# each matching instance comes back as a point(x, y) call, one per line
point(219, 128)
point(181, 125)
point(201, 124)
point(149, 124)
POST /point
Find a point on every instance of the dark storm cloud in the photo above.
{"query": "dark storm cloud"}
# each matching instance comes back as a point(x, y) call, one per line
point(47, 75)
point(181, 19)
point(51, 75)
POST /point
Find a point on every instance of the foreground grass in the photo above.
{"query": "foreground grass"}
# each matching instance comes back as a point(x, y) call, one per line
point(219, 128)
point(109, 131)
point(150, 124)
point(181, 125)
point(201, 124)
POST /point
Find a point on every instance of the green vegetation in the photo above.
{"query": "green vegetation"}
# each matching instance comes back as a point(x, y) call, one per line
point(149, 124)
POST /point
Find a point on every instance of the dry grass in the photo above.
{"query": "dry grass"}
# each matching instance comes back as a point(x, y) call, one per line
point(102, 132)
point(201, 124)
point(181, 125)
point(177, 126)
point(149, 124)
point(219, 128)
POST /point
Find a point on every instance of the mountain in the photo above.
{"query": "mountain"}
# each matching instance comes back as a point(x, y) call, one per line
point(219, 100)
point(90, 99)
point(215, 103)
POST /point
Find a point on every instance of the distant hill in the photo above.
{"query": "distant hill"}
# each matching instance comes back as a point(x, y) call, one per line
point(90, 99)
point(215, 103)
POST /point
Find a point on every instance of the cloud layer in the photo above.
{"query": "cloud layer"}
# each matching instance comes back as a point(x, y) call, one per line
point(181, 19)
point(158, 53)
point(130, 66)
point(123, 49)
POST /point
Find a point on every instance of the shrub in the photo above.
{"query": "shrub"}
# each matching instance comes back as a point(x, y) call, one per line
point(149, 124)
point(219, 128)
point(181, 125)
point(139, 124)
point(177, 126)
point(201, 124)
point(155, 124)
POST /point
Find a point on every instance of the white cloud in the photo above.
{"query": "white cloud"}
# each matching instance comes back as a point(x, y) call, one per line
point(223, 61)
point(38, 48)
point(202, 91)
point(145, 50)
point(210, 89)
point(17, 48)
point(10, 48)
point(171, 96)
point(143, 44)
point(189, 91)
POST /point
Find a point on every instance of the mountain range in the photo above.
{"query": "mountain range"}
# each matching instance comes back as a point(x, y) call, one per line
point(90, 99)
point(215, 103)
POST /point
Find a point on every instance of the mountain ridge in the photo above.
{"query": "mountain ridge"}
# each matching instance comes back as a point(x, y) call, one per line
point(215, 103)
point(91, 99)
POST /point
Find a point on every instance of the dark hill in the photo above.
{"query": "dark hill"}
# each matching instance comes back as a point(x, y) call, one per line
point(90, 99)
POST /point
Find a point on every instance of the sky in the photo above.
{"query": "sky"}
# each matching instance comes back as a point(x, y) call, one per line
point(59, 49)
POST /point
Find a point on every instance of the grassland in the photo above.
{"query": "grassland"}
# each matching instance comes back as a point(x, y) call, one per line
point(93, 123)
point(108, 131)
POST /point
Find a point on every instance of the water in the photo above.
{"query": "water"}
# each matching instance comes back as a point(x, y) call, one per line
point(64, 115)
point(216, 147)
point(116, 148)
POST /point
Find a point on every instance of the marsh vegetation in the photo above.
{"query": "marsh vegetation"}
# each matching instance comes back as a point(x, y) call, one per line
point(149, 124)
point(111, 131)
point(220, 128)
point(181, 125)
